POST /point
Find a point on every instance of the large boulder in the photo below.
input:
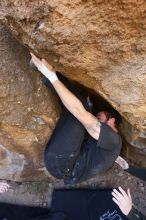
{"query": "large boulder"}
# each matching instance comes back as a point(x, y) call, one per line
point(28, 114)
point(101, 45)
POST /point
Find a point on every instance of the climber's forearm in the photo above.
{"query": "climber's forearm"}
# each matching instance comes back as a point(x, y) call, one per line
point(74, 105)
point(71, 102)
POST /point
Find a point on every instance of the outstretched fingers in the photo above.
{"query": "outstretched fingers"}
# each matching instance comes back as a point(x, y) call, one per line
point(125, 195)
point(116, 201)
point(50, 67)
point(129, 194)
point(4, 187)
point(36, 60)
point(122, 199)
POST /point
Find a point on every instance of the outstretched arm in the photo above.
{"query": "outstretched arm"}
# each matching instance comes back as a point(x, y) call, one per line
point(71, 102)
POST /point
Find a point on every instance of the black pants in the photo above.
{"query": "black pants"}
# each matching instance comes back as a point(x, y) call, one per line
point(138, 172)
point(64, 146)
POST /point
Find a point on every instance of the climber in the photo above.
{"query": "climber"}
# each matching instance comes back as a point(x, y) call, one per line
point(69, 155)
point(139, 172)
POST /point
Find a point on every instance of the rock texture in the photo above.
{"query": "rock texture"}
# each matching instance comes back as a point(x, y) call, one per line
point(40, 193)
point(100, 44)
point(28, 113)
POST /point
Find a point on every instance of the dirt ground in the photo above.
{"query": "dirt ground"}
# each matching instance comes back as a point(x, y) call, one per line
point(40, 193)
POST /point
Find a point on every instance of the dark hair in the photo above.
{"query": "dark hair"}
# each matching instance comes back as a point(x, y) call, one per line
point(112, 113)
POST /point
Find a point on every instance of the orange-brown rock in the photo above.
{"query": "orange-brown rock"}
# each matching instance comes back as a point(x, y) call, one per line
point(100, 44)
point(28, 113)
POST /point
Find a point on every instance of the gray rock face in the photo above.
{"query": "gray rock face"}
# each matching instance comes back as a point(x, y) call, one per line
point(12, 164)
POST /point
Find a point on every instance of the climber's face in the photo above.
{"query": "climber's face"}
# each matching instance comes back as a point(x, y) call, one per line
point(101, 116)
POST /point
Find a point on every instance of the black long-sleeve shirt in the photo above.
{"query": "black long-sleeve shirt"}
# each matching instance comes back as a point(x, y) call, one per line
point(134, 214)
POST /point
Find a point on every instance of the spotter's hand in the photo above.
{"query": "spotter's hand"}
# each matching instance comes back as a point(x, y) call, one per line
point(123, 200)
point(4, 187)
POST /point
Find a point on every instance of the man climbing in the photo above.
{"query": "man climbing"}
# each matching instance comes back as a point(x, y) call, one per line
point(69, 155)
